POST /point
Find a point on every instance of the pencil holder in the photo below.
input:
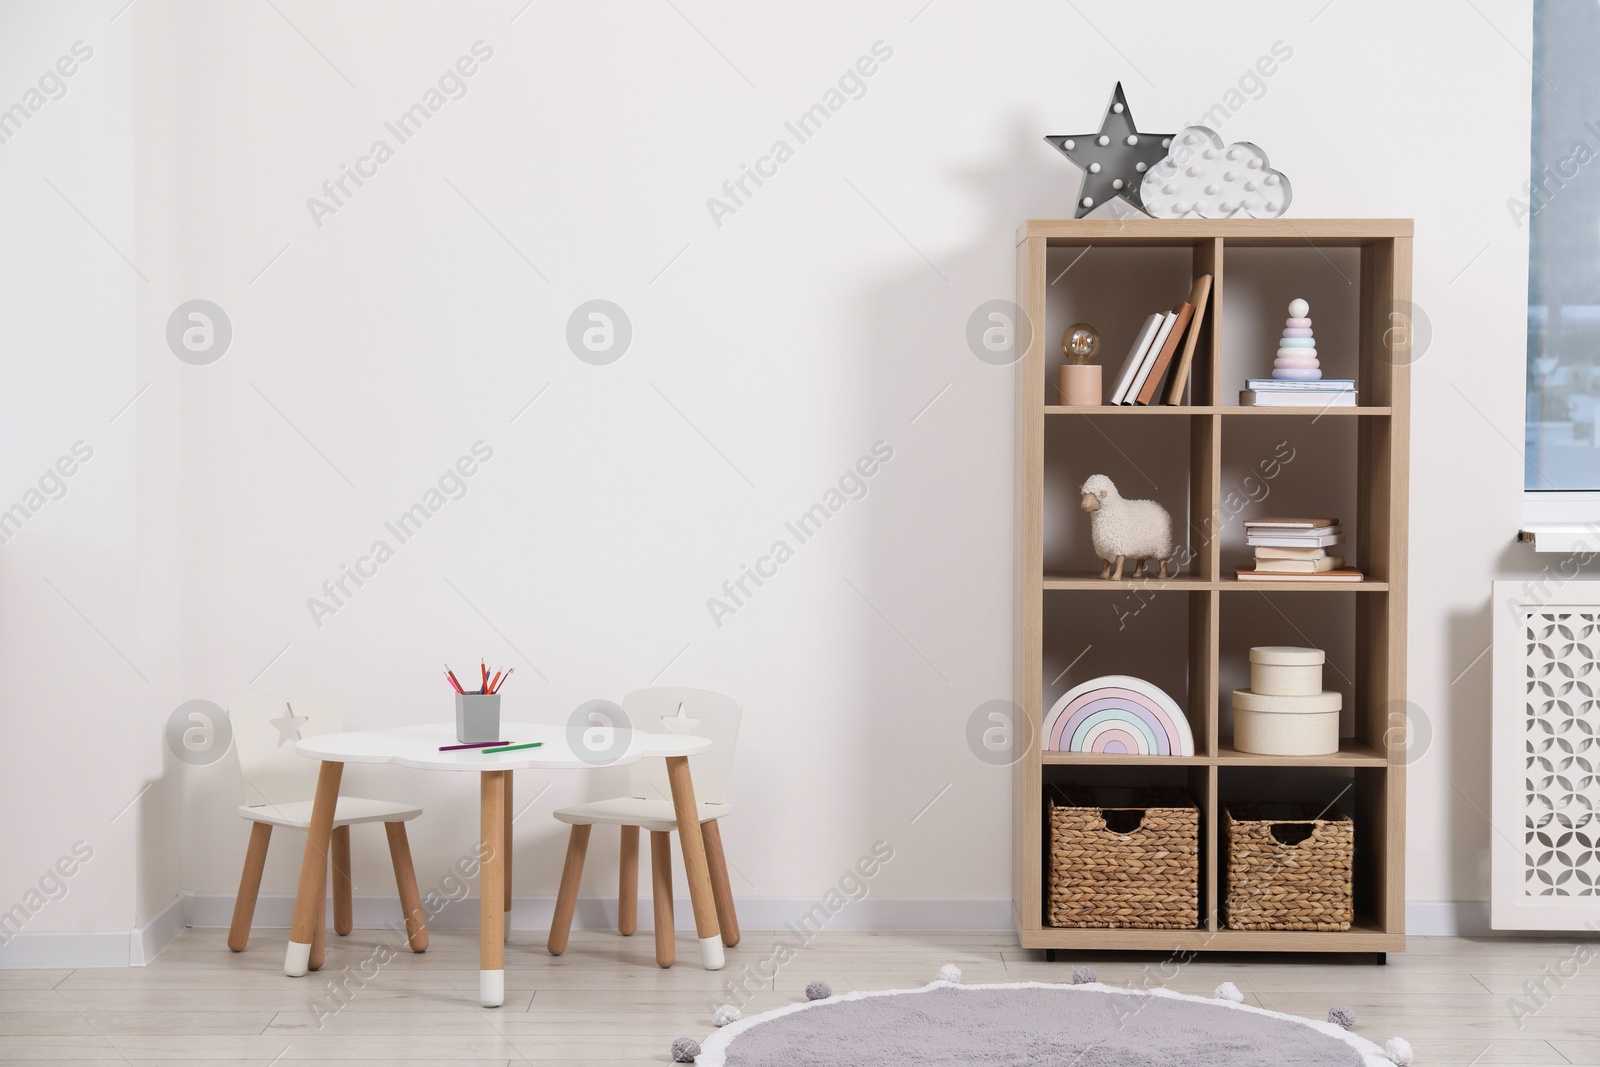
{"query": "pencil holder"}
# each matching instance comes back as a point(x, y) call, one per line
point(477, 717)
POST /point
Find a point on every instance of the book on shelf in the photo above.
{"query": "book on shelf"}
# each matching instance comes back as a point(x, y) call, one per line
point(1199, 296)
point(1298, 552)
point(1291, 524)
point(1343, 574)
point(1141, 345)
point(1145, 392)
point(1297, 398)
point(1267, 565)
point(1152, 350)
point(1319, 539)
point(1286, 385)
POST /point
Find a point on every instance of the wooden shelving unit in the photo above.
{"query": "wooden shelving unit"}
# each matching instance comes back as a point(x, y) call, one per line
point(1207, 610)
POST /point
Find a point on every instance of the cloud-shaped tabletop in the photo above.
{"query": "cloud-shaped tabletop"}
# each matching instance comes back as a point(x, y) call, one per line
point(1202, 176)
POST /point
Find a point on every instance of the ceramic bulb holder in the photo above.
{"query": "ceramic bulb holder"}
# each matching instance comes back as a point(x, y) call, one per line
point(477, 717)
point(1080, 385)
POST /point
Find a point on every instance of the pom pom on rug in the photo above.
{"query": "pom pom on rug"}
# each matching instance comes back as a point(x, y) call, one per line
point(1342, 1017)
point(950, 973)
point(1230, 992)
point(725, 1015)
point(819, 991)
point(1398, 1049)
point(1082, 975)
point(685, 1049)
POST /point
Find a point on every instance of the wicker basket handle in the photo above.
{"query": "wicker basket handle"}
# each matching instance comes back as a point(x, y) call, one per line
point(1122, 821)
point(1293, 833)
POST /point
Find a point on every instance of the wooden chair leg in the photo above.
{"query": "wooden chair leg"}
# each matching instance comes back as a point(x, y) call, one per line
point(343, 918)
point(405, 879)
point(319, 934)
point(567, 895)
point(661, 893)
point(721, 890)
point(628, 883)
point(244, 905)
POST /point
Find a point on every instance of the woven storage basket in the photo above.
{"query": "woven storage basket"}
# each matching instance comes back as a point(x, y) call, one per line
point(1288, 869)
point(1141, 871)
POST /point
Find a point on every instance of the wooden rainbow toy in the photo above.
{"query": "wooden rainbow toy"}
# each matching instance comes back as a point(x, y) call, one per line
point(1118, 714)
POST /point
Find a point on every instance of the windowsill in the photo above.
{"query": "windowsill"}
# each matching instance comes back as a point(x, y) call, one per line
point(1562, 537)
point(1561, 522)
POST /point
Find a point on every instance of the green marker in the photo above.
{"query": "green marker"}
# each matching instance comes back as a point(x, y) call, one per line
point(513, 748)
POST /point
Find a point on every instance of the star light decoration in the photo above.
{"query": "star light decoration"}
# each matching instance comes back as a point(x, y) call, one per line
point(1114, 161)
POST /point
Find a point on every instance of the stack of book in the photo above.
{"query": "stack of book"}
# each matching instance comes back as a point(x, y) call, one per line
point(1296, 550)
point(1165, 343)
point(1280, 393)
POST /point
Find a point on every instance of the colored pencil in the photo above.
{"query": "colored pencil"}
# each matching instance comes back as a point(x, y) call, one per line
point(493, 680)
point(453, 680)
point(475, 744)
point(513, 748)
point(508, 674)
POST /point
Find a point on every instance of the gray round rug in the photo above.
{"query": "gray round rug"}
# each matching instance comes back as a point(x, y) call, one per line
point(1032, 1024)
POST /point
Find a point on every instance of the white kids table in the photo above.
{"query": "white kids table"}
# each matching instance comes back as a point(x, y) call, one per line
point(418, 746)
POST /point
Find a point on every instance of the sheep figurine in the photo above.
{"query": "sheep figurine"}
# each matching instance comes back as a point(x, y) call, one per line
point(1139, 530)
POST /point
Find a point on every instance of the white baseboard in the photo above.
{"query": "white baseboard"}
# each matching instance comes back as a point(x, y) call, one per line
point(148, 940)
point(533, 913)
point(1424, 918)
point(64, 950)
point(110, 948)
point(1448, 918)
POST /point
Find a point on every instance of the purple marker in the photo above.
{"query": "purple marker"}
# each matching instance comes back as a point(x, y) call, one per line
point(475, 744)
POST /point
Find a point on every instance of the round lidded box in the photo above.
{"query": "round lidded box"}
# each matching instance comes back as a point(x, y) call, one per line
point(1286, 725)
point(1284, 671)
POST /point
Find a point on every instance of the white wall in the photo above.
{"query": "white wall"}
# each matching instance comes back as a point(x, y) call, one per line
point(768, 353)
point(88, 664)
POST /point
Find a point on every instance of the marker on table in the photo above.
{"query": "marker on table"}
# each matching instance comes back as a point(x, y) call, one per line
point(475, 744)
point(513, 748)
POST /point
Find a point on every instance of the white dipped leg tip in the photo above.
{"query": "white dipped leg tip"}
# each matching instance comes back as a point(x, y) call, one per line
point(297, 960)
point(711, 952)
point(491, 988)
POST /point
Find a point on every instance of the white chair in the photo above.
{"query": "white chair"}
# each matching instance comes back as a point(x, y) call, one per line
point(279, 786)
point(649, 805)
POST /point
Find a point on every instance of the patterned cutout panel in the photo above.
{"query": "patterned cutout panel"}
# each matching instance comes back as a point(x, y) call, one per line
point(1561, 751)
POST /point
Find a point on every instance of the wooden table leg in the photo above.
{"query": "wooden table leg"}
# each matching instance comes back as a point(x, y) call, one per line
point(343, 905)
point(313, 870)
point(694, 863)
point(507, 862)
point(721, 888)
point(491, 890)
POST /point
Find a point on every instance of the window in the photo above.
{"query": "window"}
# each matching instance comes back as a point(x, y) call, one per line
point(1561, 208)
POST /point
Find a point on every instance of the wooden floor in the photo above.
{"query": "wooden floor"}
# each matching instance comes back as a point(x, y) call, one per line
point(606, 1003)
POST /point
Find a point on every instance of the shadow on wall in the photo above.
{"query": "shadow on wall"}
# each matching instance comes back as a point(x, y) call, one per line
point(941, 535)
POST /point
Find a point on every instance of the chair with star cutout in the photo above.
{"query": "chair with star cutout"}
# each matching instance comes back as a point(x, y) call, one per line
point(278, 790)
point(648, 806)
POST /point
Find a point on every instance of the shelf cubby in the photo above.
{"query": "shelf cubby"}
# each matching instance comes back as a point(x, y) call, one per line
point(1190, 633)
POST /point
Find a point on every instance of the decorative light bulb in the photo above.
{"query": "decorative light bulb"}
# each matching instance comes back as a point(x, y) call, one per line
point(1080, 343)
